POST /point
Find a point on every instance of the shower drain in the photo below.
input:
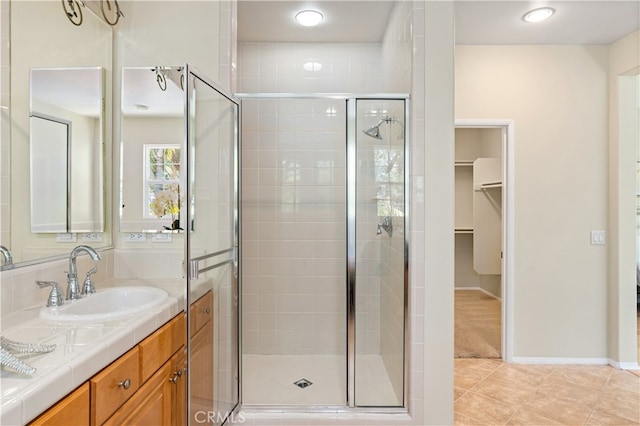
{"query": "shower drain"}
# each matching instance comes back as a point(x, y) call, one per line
point(302, 383)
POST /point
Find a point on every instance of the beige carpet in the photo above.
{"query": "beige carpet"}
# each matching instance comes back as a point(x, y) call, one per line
point(477, 325)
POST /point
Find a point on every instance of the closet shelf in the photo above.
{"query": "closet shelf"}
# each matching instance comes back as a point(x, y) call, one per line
point(463, 231)
point(488, 185)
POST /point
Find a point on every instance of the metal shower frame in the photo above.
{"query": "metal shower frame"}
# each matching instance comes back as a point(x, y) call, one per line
point(350, 184)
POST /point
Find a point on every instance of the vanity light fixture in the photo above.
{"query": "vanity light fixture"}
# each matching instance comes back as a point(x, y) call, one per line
point(309, 18)
point(538, 15)
point(108, 10)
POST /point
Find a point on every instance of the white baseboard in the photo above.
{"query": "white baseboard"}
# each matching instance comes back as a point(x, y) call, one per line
point(577, 361)
point(624, 365)
point(478, 289)
point(560, 361)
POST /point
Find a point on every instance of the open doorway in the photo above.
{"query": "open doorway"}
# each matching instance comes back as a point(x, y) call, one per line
point(481, 240)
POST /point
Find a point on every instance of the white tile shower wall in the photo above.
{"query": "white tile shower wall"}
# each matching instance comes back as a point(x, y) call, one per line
point(286, 308)
point(19, 289)
point(309, 68)
point(397, 48)
point(416, 86)
point(416, 347)
point(293, 226)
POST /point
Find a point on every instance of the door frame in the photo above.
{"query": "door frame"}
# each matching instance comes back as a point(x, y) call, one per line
point(508, 227)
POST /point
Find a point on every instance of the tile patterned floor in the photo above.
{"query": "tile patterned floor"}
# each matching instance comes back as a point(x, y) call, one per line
point(490, 392)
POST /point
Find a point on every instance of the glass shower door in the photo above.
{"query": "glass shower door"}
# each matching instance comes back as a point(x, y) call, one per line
point(378, 250)
point(211, 231)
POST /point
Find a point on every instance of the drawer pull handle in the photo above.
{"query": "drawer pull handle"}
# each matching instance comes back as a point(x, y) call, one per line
point(125, 384)
point(206, 310)
point(179, 373)
point(174, 379)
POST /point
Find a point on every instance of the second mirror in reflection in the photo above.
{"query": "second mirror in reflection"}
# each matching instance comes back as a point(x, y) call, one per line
point(152, 126)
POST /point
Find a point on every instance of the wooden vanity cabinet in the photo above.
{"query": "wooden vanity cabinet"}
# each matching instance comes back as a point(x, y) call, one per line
point(147, 385)
point(201, 367)
point(156, 400)
point(70, 410)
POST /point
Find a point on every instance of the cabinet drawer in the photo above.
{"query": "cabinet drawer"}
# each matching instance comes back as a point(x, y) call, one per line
point(156, 349)
point(114, 385)
point(72, 410)
point(201, 312)
point(151, 405)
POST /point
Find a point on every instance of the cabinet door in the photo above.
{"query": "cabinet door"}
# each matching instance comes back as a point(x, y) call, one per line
point(71, 410)
point(201, 370)
point(179, 368)
point(156, 349)
point(152, 405)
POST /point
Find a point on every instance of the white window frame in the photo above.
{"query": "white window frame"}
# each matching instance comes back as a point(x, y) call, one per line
point(147, 180)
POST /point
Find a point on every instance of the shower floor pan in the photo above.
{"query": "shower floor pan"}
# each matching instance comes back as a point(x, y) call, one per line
point(271, 380)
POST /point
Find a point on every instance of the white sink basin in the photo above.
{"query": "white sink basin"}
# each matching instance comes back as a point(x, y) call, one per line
point(106, 305)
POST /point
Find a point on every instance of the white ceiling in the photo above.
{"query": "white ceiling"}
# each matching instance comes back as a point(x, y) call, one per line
point(352, 21)
point(75, 89)
point(477, 22)
point(142, 95)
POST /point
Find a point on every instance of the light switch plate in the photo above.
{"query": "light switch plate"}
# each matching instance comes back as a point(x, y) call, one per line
point(92, 237)
point(597, 237)
point(161, 238)
point(66, 238)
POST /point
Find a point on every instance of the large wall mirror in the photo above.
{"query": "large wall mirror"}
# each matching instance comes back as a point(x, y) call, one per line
point(54, 63)
point(152, 134)
point(65, 144)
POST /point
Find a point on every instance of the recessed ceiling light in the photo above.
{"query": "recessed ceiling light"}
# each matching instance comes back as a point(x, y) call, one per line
point(309, 18)
point(538, 15)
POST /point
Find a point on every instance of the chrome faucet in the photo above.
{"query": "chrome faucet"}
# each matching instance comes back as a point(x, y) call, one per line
point(73, 289)
point(8, 259)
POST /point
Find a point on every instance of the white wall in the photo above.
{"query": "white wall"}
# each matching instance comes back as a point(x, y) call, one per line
point(560, 185)
point(624, 60)
point(433, 213)
point(165, 33)
point(278, 68)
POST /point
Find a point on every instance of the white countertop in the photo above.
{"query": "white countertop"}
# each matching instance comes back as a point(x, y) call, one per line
point(81, 351)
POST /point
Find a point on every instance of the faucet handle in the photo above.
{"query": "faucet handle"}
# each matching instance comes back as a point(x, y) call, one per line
point(55, 297)
point(88, 287)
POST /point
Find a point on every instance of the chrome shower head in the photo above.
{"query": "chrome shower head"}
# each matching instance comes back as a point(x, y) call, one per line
point(374, 131)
